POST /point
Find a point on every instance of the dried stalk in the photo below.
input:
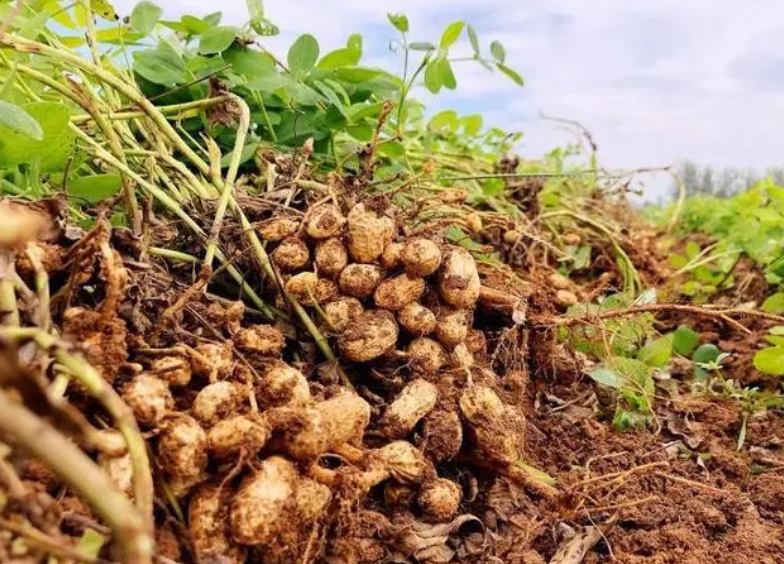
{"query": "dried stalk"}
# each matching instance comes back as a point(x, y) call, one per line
point(66, 460)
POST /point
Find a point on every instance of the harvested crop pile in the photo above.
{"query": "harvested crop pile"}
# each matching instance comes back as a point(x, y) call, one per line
point(260, 449)
point(332, 349)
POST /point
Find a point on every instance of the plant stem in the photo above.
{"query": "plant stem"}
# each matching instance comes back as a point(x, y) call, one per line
point(176, 255)
point(8, 305)
point(179, 109)
point(231, 177)
point(100, 389)
point(65, 459)
point(41, 287)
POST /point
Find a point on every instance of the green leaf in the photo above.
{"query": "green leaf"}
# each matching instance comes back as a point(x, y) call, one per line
point(692, 250)
point(451, 34)
point(685, 340)
point(204, 66)
point(516, 78)
point(777, 330)
point(493, 187)
point(421, 46)
point(657, 353)
point(776, 340)
point(498, 52)
point(606, 376)
point(19, 121)
point(217, 39)
point(399, 21)
point(343, 57)
point(447, 76)
point(433, 79)
point(104, 9)
point(144, 16)
point(249, 62)
point(52, 151)
point(303, 54)
point(626, 420)
point(770, 361)
point(91, 543)
point(194, 25)
point(774, 303)
point(445, 120)
point(355, 42)
point(638, 374)
point(678, 261)
point(95, 188)
point(582, 257)
point(473, 39)
point(392, 149)
point(333, 98)
point(161, 66)
point(258, 22)
point(472, 124)
point(460, 237)
point(706, 353)
point(247, 154)
point(213, 19)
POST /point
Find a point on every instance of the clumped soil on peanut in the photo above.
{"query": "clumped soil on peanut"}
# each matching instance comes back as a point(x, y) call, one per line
point(428, 438)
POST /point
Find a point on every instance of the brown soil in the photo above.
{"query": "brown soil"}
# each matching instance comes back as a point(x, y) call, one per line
point(672, 503)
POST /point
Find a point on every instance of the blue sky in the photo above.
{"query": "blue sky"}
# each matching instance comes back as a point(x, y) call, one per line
point(656, 81)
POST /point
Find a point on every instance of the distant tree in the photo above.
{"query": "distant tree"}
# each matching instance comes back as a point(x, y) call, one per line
point(690, 176)
point(776, 173)
point(706, 185)
point(730, 182)
point(724, 182)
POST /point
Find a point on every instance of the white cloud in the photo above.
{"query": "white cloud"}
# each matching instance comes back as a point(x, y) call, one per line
point(655, 80)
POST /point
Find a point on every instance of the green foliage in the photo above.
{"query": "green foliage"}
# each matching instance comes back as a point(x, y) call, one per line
point(685, 340)
point(750, 223)
point(657, 352)
point(703, 358)
point(633, 379)
point(50, 152)
point(17, 120)
point(303, 54)
point(217, 39)
point(91, 543)
point(770, 360)
point(451, 34)
point(144, 16)
point(162, 65)
point(498, 51)
point(95, 188)
point(774, 303)
point(258, 22)
point(706, 271)
point(618, 336)
point(399, 22)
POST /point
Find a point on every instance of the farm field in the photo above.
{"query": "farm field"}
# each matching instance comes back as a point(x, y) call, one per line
point(266, 307)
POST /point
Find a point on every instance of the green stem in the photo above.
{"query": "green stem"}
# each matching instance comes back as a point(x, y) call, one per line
point(260, 101)
point(177, 109)
point(176, 255)
point(231, 177)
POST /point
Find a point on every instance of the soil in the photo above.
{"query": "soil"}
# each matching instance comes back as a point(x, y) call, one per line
point(705, 483)
point(669, 502)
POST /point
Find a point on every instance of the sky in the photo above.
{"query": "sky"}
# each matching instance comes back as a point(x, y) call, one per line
point(655, 81)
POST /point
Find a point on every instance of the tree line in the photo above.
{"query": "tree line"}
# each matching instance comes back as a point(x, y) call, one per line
point(722, 182)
